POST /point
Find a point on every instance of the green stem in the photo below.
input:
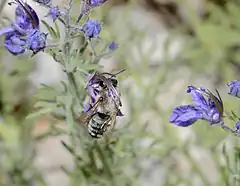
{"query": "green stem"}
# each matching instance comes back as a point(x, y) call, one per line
point(229, 130)
point(72, 89)
point(73, 83)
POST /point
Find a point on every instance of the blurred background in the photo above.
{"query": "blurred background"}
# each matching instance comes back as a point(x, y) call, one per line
point(165, 45)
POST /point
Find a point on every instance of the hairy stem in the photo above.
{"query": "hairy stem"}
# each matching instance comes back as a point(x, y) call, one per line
point(228, 129)
point(72, 89)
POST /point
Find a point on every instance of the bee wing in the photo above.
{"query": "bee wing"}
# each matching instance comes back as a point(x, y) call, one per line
point(109, 134)
point(110, 124)
point(86, 116)
point(113, 122)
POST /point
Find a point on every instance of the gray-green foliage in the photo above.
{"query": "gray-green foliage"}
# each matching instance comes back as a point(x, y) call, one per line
point(215, 48)
point(140, 139)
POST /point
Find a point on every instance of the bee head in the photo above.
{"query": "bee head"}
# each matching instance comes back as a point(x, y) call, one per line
point(102, 84)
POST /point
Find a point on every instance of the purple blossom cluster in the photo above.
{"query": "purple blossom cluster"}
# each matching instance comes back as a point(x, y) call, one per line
point(54, 13)
point(24, 34)
point(206, 106)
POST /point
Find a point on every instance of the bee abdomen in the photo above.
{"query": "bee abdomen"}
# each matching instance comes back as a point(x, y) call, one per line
point(95, 128)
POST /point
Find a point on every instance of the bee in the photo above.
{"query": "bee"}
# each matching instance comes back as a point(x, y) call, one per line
point(103, 109)
point(101, 117)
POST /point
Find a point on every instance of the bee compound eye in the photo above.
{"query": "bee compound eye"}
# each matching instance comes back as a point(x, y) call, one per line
point(101, 83)
point(114, 82)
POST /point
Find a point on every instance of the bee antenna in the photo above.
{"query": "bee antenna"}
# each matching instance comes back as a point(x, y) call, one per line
point(114, 75)
point(121, 71)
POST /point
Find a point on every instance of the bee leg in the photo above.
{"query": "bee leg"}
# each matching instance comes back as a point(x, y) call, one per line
point(105, 125)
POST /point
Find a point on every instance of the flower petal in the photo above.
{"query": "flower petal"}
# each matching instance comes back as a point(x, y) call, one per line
point(92, 28)
point(26, 17)
point(234, 88)
point(54, 12)
point(120, 113)
point(6, 30)
point(86, 107)
point(217, 100)
point(185, 115)
point(215, 110)
point(14, 43)
point(36, 40)
point(113, 46)
point(88, 5)
point(237, 125)
point(95, 3)
point(213, 116)
point(197, 98)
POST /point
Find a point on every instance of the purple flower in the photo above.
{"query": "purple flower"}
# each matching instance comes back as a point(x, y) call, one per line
point(206, 106)
point(92, 28)
point(110, 49)
point(36, 40)
point(185, 115)
point(86, 107)
point(19, 36)
point(54, 12)
point(234, 88)
point(95, 3)
point(25, 17)
point(237, 125)
point(88, 5)
point(14, 43)
point(95, 86)
point(113, 46)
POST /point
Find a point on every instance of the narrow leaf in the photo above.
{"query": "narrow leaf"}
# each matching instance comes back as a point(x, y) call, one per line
point(57, 30)
point(39, 113)
point(50, 29)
